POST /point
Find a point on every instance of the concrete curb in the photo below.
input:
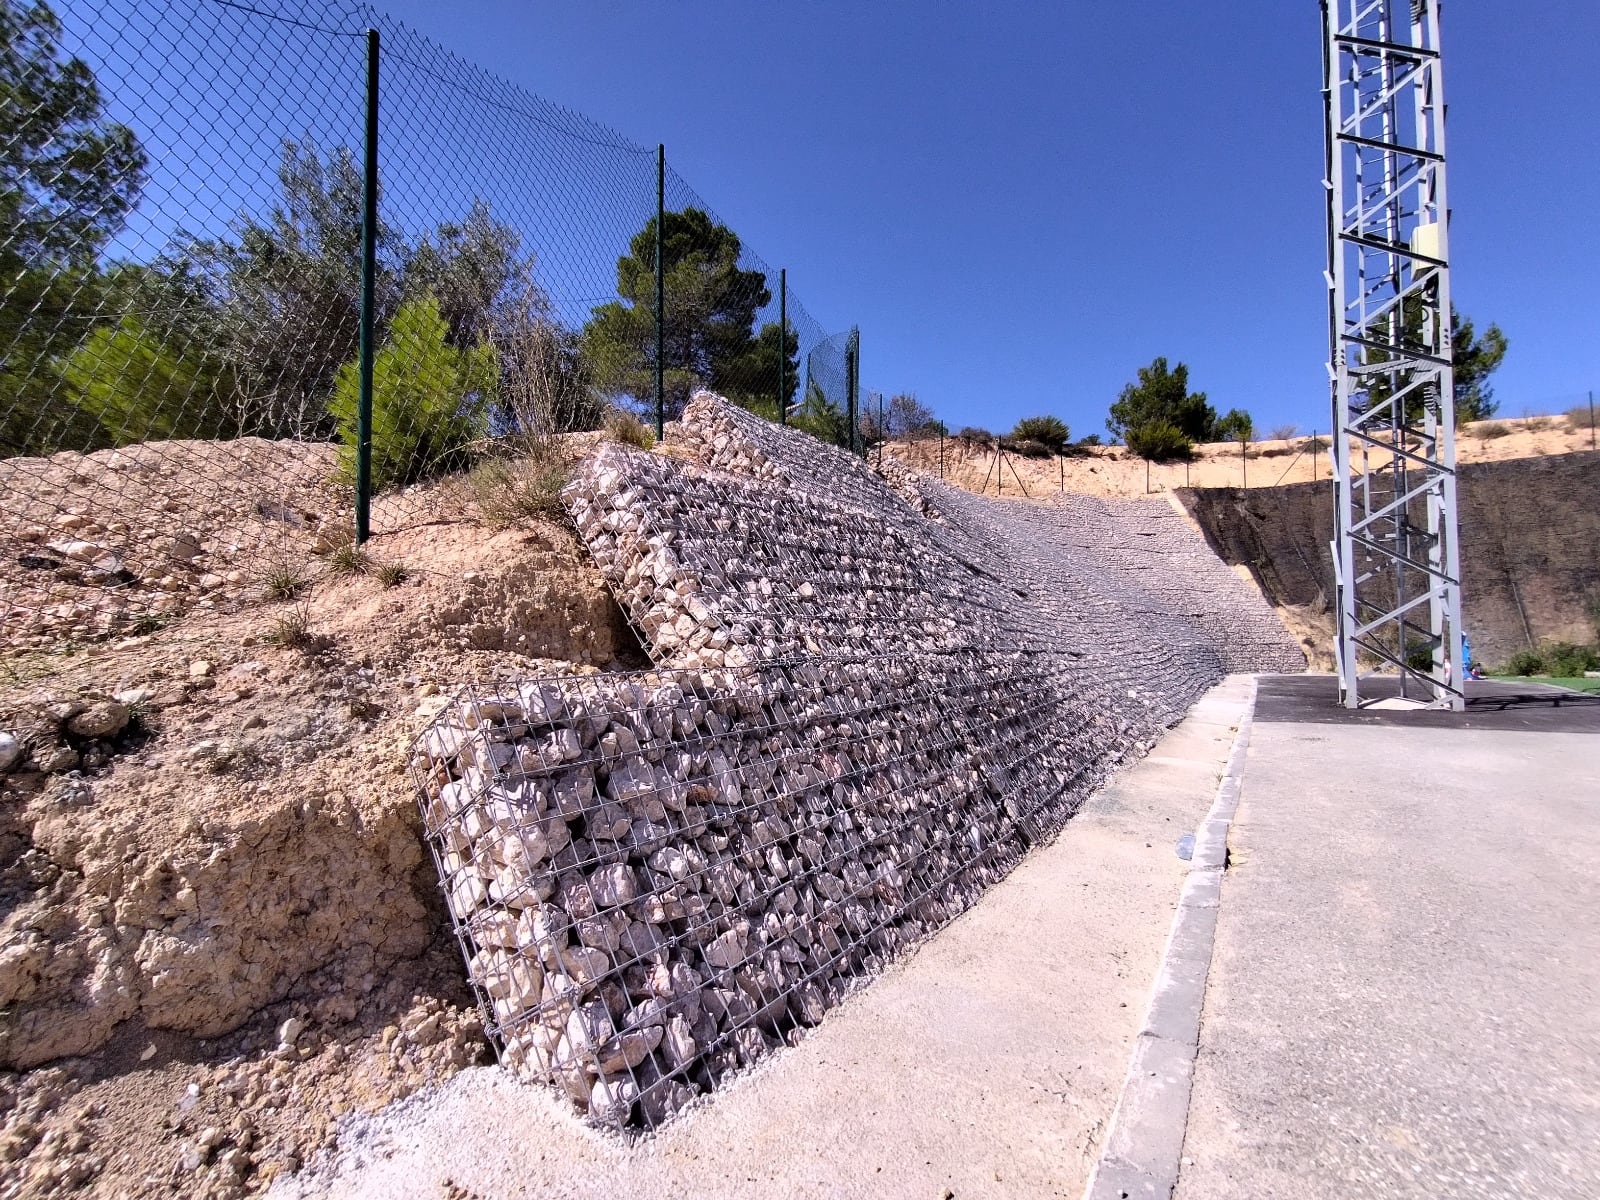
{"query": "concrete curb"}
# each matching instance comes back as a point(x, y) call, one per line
point(1140, 1155)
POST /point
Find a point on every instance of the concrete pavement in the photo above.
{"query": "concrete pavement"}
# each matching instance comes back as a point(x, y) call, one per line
point(1404, 998)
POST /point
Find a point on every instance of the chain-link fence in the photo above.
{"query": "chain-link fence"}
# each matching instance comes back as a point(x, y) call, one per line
point(216, 354)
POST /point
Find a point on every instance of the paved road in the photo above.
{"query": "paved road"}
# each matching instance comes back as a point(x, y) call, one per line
point(1404, 998)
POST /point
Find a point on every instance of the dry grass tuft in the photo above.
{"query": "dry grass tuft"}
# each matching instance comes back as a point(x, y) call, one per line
point(510, 491)
point(349, 559)
point(292, 630)
point(628, 429)
point(283, 578)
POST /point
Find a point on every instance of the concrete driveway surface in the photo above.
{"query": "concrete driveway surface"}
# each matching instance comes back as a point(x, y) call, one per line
point(1404, 998)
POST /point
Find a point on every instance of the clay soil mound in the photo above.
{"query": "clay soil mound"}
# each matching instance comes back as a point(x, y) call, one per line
point(218, 930)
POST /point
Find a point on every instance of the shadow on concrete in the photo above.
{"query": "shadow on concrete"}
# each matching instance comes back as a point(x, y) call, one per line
point(1491, 704)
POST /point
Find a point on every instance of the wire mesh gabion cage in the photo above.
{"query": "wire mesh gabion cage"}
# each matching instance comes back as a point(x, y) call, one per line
point(659, 877)
point(860, 718)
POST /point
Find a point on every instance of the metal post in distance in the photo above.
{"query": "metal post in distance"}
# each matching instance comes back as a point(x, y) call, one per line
point(783, 345)
point(661, 290)
point(852, 364)
point(883, 430)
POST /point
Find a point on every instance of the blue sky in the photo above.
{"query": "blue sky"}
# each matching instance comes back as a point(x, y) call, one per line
point(1019, 204)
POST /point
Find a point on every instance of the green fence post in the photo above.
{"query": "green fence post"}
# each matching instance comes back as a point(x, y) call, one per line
point(852, 354)
point(783, 345)
point(661, 288)
point(369, 270)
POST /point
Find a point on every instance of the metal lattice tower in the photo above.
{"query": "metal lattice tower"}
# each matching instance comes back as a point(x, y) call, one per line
point(1396, 554)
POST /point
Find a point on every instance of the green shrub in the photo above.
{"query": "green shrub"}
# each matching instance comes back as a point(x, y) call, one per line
point(429, 400)
point(137, 388)
point(1566, 660)
point(821, 417)
point(972, 433)
point(1525, 662)
point(1159, 441)
point(1050, 432)
point(1235, 425)
point(1420, 658)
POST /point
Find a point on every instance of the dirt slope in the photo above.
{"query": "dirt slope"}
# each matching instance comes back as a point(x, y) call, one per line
point(218, 930)
point(1112, 471)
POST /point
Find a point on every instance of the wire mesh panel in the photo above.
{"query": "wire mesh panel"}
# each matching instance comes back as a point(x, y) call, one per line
point(182, 291)
point(658, 878)
point(825, 406)
point(861, 717)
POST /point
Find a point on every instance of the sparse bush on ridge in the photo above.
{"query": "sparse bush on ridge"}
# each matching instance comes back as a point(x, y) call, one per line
point(510, 490)
point(1047, 431)
point(1159, 441)
point(1032, 449)
point(625, 427)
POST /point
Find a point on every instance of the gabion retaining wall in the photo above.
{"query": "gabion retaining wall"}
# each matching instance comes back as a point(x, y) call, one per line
point(660, 876)
point(861, 717)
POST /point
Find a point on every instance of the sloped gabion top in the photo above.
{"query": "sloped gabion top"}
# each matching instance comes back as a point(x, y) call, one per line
point(868, 702)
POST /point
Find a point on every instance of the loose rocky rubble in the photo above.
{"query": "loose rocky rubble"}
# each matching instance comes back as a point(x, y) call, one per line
point(126, 540)
point(860, 718)
point(246, 851)
point(225, 1117)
